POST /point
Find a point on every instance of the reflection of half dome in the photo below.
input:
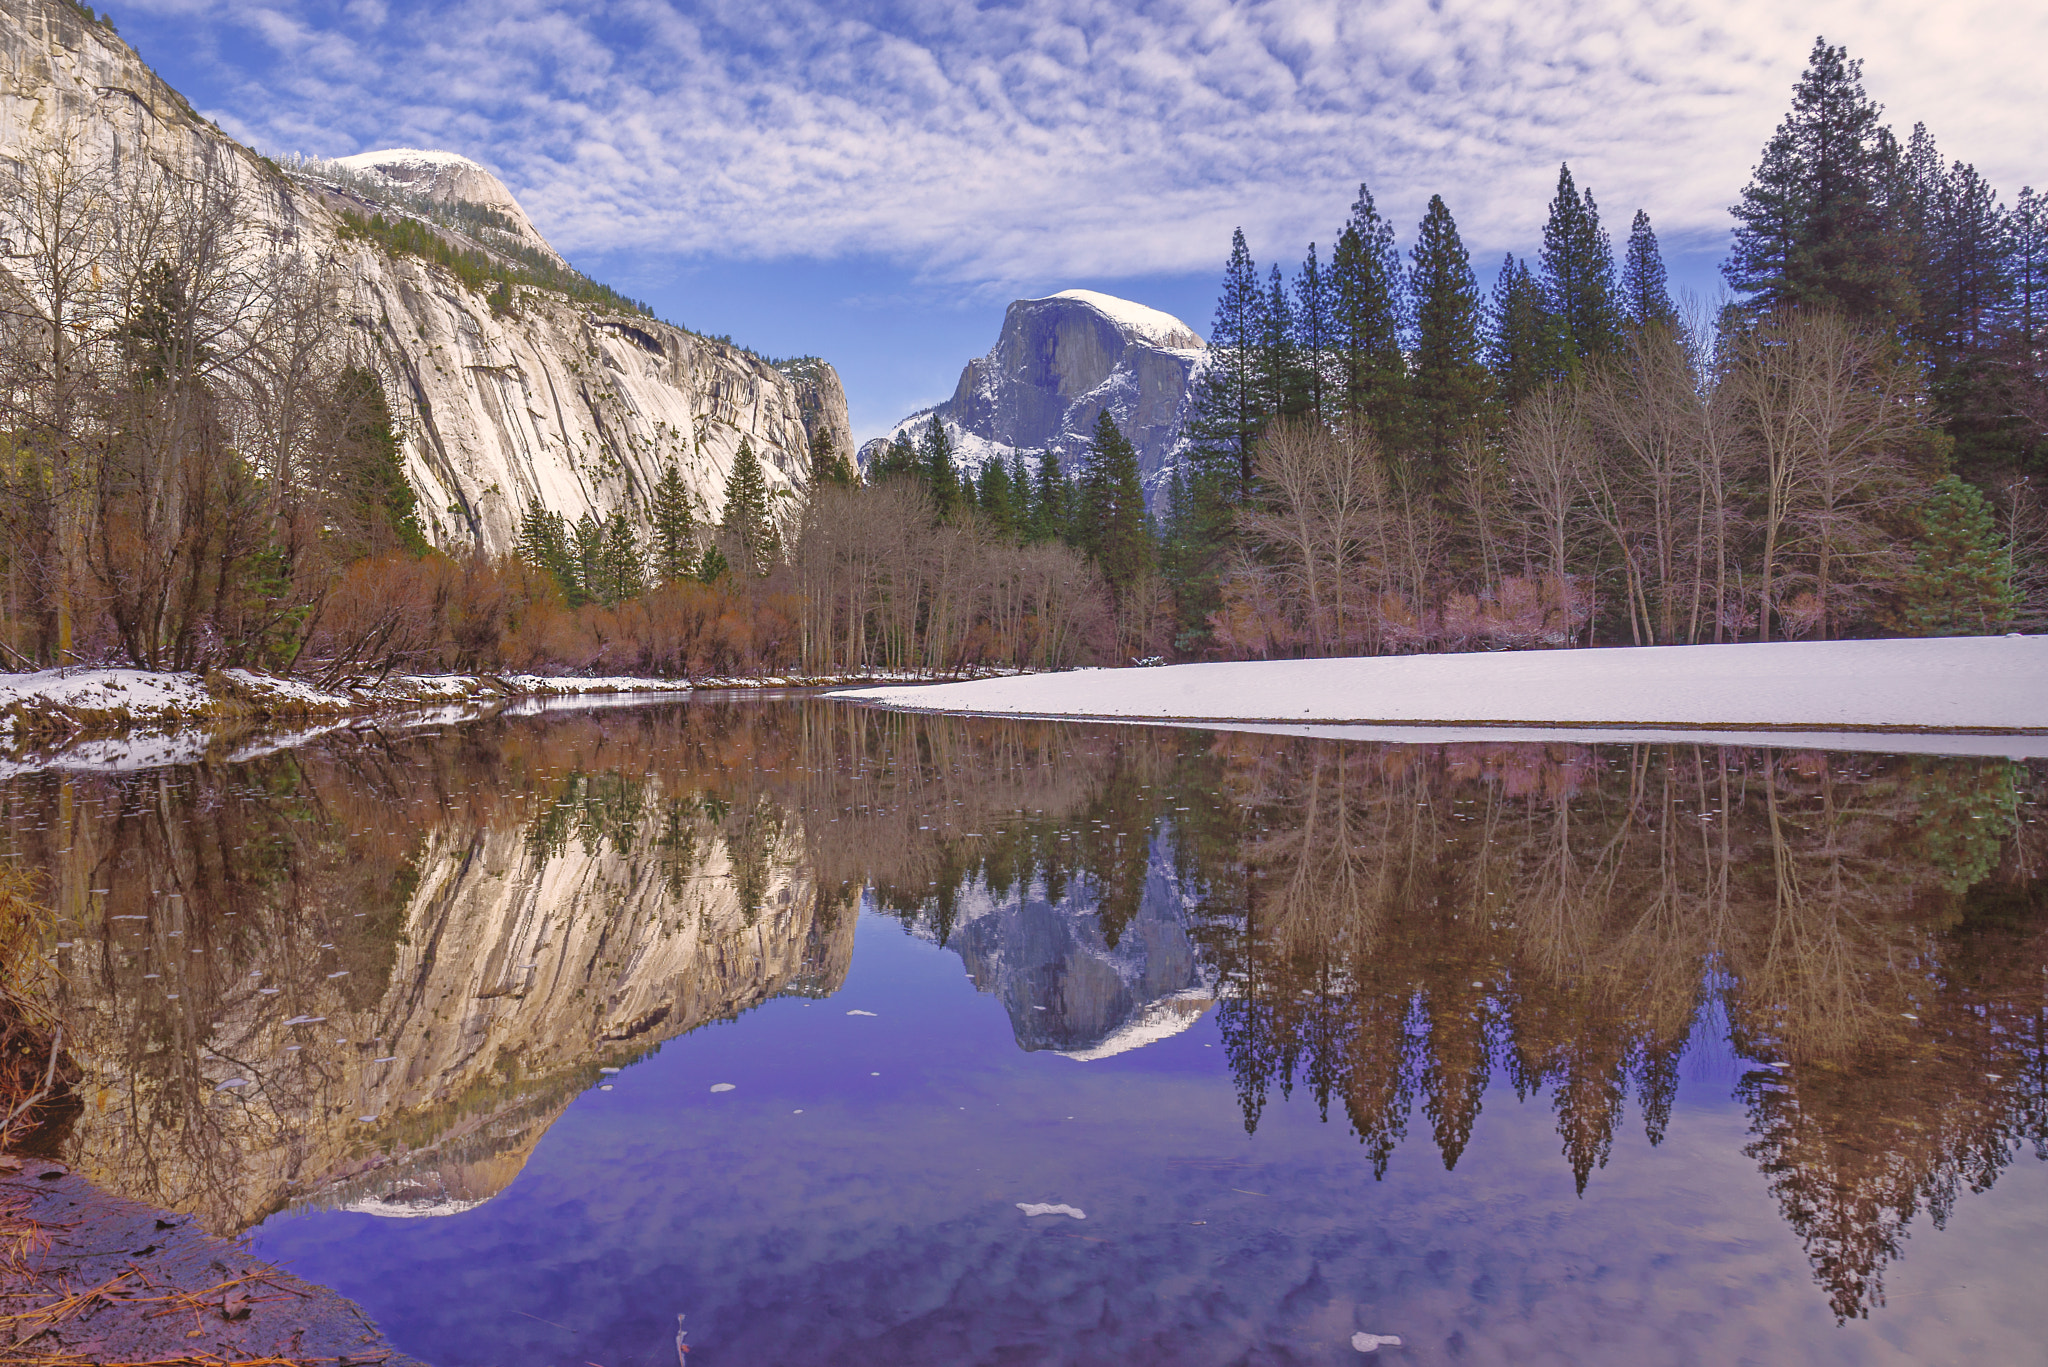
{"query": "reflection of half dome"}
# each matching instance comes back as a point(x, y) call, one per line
point(1155, 1021)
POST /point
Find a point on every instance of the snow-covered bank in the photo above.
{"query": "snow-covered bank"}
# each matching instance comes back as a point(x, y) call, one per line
point(69, 704)
point(1979, 684)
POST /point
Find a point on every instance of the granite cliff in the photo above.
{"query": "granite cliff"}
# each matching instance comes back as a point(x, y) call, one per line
point(1057, 364)
point(541, 398)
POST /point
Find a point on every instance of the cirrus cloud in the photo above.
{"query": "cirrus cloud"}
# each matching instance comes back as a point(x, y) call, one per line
point(995, 142)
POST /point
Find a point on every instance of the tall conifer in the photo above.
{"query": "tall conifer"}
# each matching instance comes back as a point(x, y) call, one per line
point(1523, 352)
point(1578, 275)
point(1315, 323)
point(1283, 377)
point(1229, 411)
point(1366, 277)
point(1449, 388)
point(1645, 296)
point(935, 460)
point(1115, 535)
point(675, 527)
point(747, 521)
point(1818, 222)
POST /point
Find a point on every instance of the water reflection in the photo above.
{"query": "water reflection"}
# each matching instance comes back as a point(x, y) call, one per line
point(371, 973)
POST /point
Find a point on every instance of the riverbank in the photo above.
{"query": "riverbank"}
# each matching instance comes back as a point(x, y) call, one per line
point(1976, 684)
point(61, 707)
point(88, 1277)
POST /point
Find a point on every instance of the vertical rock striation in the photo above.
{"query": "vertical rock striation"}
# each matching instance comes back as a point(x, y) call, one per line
point(537, 399)
point(1058, 363)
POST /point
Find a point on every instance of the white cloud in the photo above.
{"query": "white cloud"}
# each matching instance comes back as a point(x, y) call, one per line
point(993, 142)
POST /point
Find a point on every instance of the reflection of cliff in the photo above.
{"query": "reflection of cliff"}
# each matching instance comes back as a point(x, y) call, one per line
point(301, 972)
point(1066, 987)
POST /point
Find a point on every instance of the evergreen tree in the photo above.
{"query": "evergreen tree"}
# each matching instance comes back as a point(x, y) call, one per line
point(935, 462)
point(897, 460)
point(1523, 350)
point(829, 465)
point(713, 567)
point(1578, 275)
point(675, 527)
point(545, 544)
point(1960, 583)
point(1449, 388)
point(620, 573)
point(1315, 324)
point(377, 492)
point(1366, 280)
point(747, 522)
point(1816, 225)
point(1645, 298)
point(1051, 516)
point(1965, 287)
point(1229, 412)
point(1283, 375)
point(1114, 530)
point(997, 500)
point(1024, 515)
point(589, 556)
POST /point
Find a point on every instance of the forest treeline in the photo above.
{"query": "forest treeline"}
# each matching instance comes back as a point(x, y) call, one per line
point(200, 468)
point(1388, 457)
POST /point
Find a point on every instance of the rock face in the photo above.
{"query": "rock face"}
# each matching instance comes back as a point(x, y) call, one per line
point(1056, 365)
point(548, 401)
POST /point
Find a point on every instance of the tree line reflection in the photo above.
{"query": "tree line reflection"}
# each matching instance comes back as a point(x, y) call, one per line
point(1393, 930)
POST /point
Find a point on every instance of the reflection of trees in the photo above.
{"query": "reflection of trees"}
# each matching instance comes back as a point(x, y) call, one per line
point(1393, 929)
point(1395, 926)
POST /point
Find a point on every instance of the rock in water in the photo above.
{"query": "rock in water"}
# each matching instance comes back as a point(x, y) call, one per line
point(1058, 362)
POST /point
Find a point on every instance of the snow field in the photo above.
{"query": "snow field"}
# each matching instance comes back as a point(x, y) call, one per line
point(1962, 684)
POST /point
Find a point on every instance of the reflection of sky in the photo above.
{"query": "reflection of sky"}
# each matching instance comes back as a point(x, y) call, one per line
point(819, 1213)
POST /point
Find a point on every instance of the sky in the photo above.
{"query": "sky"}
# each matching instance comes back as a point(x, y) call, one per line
point(874, 182)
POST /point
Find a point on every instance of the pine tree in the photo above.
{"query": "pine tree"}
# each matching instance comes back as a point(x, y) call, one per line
point(1578, 275)
point(997, 500)
point(589, 557)
point(898, 460)
point(377, 492)
point(1645, 297)
point(1114, 522)
point(1965, 287)
point(1229, 413)
point(829, 465)
point(1283, 375)
point(1816, 224)
point(620, 572)
point(1449, 388)
point(1051, 515)
point(1960, 583)
point(935, 463)
point(1024, 516)
point(675, 527)
point(1366, 278)
point(1315, 324)
point(544, 543)
point(747, 522)
point(1523, 350)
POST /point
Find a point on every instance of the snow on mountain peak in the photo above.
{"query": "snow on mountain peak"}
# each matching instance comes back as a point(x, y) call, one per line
point(1150, 324)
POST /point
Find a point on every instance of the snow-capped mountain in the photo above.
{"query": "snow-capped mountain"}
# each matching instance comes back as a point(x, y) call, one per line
point(546, 395)
point(1056, 365)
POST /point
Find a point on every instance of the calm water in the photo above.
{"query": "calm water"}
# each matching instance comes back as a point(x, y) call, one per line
point(534, 1034)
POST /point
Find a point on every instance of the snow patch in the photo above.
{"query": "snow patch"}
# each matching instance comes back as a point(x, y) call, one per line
point(1156, 1021)
point(1975, 683)
point(1034, 1208)
point(1150, 324)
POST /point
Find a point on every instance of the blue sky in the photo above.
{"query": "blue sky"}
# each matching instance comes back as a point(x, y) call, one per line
point(873, 182)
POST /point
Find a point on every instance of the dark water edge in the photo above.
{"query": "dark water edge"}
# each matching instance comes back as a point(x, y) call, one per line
point(1521, 1052)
